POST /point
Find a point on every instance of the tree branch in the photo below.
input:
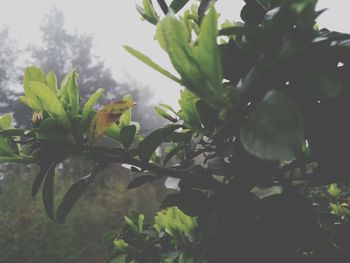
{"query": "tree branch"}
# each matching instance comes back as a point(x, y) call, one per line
point(123, 157)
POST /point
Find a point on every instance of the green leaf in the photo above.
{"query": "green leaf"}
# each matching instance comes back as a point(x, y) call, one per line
point(172, 36)
point(140, 223)
point(141, 180)
point(162, 113)
point(131, 224)
point(127, 135)
point(37, 75)
point(274, 130)
point(207, 51)
point(12, 159)
point(324, 84)
point(185, 257)
point(24, 100)
point(334, 190)
point(208, 117)
point(121, 245)
point(48, 191)
point(119, 259)
point(177, 5)
point(217, 165)
point(94, 98)
point(197, 206)
point(5, 121)
point(125, 119)
point(148, 12)
point(49, 102)
point(51, 80)
point(168, 107)
point(188, 111)
point(147, 147)
point(198, 65)
point(5, 148)
point(44, 169)
point(50, 130)
point(63, 92)
point(173, 152)
point(247, 30)
point(73, 93)
point(151, 63)
point(12, 132)
point(72, 196)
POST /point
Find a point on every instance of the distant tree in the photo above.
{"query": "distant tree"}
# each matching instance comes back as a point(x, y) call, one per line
point(8, 57)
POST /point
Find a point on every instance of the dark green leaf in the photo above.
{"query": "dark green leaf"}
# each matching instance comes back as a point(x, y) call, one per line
point(236, 62)
point(325, 84)
point(249, 31)
point(48, 191)
point(134, 169)
point(72, 196)
point(274, 130)
point(172, 153)
point(127, 135)
point(253, 13)
point(203, 7)
point(44, 168)
point(147, 147)
point(141, 180)
point(177, 5)
point(195, 207)
point(12, 132)
point(185, 257)
point(217, 165)
point(207, 115)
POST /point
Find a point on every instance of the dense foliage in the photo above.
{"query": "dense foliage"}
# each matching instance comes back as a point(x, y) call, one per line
point(258, 148)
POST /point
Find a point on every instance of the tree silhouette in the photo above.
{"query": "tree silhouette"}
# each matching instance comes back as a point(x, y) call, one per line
point(8, 58)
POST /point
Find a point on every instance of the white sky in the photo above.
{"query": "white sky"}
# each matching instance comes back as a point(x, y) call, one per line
point(114, 23)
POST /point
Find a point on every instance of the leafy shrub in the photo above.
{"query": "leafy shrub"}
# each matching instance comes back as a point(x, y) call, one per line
point(261, 132)
point(174, 235)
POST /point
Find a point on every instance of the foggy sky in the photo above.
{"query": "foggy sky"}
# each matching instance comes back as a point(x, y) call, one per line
point(114, 23)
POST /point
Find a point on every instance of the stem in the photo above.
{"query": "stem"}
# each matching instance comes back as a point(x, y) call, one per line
point(127, 159)
point(123, 157)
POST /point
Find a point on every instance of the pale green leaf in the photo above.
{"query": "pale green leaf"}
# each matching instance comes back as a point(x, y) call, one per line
point(207, 51)
point(5, 121)
point(51, 80)
point(151, 63)
point(94, 98)
point(49, 102)
point(73, 93)
point(33, 74)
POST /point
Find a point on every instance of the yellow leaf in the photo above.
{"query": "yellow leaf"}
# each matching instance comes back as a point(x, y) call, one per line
point(105, 118)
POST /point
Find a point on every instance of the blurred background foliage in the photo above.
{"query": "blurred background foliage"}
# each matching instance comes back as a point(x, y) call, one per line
point(26, 233)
